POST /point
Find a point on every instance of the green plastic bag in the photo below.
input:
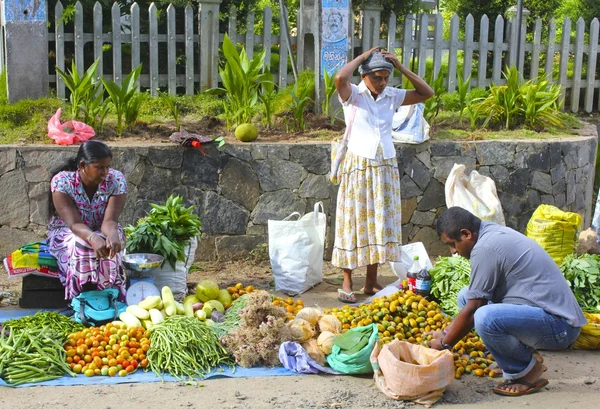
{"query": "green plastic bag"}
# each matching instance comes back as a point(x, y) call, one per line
point(357, 362)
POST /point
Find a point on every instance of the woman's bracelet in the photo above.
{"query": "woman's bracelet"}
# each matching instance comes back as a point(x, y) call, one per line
point(90, 237)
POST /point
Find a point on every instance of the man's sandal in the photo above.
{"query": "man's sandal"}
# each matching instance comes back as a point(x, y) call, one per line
point(533, 387)
point(349, 298)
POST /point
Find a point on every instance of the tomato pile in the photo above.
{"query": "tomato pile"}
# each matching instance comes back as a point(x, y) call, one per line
point(107, 350)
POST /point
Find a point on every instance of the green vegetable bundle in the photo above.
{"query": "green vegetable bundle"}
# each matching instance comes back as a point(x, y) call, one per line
point(165, 230)
point(582, 275)
point(45, 319)
point(32, 355)
point(185, 347)
point(448, 277)
point(233, 319)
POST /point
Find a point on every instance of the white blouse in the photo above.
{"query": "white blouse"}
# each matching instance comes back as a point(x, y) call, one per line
point(372, 124)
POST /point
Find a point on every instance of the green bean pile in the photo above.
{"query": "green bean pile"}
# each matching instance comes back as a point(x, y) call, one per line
point(32, 355)
point(232, 319)
point(45, 319)
point(185, 347)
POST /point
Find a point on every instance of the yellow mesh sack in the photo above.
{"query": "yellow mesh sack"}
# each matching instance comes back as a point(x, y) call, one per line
point(556, 231)
point(589, 338)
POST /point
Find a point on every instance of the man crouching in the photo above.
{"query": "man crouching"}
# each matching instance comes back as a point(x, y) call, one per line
point(517, 299)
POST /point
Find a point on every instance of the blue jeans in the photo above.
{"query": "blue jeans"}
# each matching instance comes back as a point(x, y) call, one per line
point(511, 333)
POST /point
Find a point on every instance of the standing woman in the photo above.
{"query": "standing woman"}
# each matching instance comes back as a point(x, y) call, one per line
point(368, 228)
point(84, 234)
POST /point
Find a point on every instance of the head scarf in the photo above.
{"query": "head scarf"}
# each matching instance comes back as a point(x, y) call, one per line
point(375, 62)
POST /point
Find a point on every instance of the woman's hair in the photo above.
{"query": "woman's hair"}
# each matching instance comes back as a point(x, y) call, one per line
point(89, 152)
point(453, 220)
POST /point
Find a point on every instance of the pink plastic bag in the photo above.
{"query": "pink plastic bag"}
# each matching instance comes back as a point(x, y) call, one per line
point(70, 132)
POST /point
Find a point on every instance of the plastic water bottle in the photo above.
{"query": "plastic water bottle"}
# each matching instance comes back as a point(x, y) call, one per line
point(411, 275)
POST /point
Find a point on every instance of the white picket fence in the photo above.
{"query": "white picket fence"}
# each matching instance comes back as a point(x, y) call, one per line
point(490, 55)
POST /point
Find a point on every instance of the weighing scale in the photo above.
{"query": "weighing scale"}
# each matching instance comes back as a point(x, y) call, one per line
point(140, 285)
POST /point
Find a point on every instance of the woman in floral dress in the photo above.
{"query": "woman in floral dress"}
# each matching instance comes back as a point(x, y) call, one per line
point(84, 233)
point(368, 215)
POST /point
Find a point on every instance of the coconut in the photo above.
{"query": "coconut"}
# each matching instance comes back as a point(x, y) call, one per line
point(246, 132)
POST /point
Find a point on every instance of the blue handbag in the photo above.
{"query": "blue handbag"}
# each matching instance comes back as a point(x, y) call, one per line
point(97, 307)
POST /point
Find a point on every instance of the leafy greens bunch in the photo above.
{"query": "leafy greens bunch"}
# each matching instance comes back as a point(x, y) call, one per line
point(448, 277)
point(165, 230)
point(582, 274)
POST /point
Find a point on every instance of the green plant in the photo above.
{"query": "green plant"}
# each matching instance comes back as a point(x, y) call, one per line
point(94, 107)
point(463, 90)
point(300, 98)
point(540, 101)
point(165, 230)
point(125, 98)
point(329, 82)
point(502, 105)
point(267, 97)
point(582, 273)
point(133, 110)
point(241, 80)
point(83, 88)
point(433, 105)
point(448, 277)
point(173, 104)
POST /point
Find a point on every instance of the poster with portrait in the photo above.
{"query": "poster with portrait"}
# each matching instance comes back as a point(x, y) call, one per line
point(24, 10)
point(334, 35)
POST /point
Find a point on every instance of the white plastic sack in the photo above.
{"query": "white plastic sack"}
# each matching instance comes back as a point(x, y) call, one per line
point(296, 250)
point(176, 277)
point(409, 125)
point(409, 251)
point(475, 193)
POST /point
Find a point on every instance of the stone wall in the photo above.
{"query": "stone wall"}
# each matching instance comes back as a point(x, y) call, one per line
point(238, 189)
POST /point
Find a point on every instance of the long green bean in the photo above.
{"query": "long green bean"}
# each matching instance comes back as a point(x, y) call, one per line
point(185, 348)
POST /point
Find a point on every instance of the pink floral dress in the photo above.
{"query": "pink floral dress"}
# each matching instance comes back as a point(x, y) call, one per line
point(76, 259)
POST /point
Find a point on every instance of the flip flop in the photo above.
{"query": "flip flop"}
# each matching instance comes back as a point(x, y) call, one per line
point(343, 296)
point(533, 387)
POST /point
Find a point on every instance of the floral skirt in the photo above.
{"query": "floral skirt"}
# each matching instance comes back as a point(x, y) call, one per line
point(368, 227)
point(78, 264)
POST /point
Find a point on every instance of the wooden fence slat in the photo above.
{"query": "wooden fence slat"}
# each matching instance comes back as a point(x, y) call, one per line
point(135, 38)
point(407, 48)
point(453, 53)
point(189, 50)
point(267, 42)
point(422, 56)
point(283, 53)
point(249, 44)
point(60, 48)
point(437, 45)
point(551, 46)
point(498, 36)
point(171, 50)
point(116, 43)
point(468, 47)
point(232, 27)
point(153, 48)
point(564, 59)
point(98, 40)
point(591, 68)
point(484, 27)
point(536, 48)
point(78, 26)
point(577, 64)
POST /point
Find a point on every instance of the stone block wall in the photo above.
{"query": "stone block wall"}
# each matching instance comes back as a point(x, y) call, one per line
point(237, 190)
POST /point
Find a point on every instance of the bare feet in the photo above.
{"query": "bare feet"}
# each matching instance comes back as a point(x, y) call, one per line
point(370, 289)
point(522, 385)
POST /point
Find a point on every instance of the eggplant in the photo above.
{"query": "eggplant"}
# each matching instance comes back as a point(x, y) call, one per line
point(217, 316)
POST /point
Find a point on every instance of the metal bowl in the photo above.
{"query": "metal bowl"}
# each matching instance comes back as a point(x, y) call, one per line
point(142, 262)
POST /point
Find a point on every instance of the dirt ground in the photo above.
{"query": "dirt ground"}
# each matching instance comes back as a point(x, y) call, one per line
point(573, 375)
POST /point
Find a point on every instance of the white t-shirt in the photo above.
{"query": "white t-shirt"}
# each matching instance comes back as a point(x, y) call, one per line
point(372, 123)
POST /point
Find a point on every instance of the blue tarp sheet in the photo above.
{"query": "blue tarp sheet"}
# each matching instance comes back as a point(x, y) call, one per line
point(139, 376)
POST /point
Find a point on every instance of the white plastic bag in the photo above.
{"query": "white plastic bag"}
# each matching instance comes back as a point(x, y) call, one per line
point(176, 277)
point(475, 193)
point(409, 251)
point(409, 125)
point(296, 250)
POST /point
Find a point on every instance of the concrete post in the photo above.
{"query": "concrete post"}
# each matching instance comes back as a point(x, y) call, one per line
point(371, 26)
point(516, 50)
point(208, 29)
point(308, 43)
point(25, 48)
